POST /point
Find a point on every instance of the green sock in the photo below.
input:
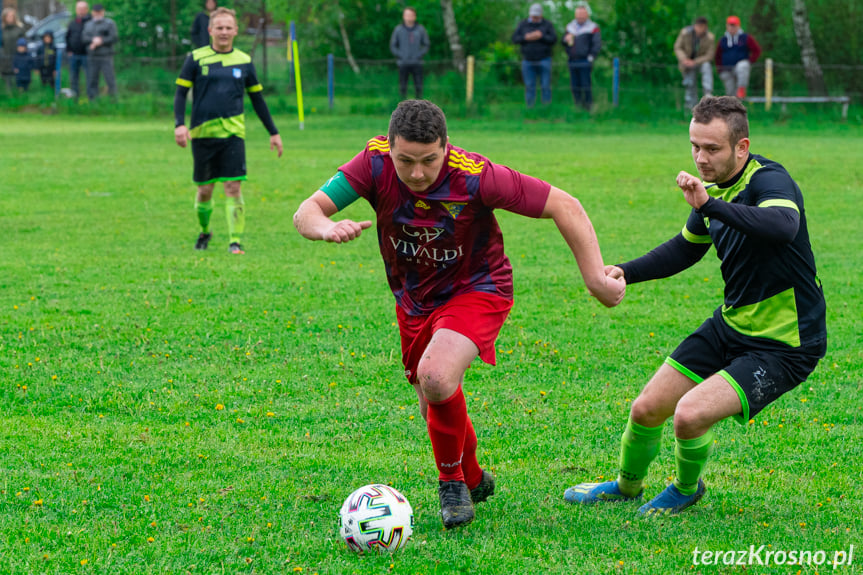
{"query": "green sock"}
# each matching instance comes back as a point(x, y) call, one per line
point(205, 210)
point(638, 447)
point(236, 214)
point(690, 457)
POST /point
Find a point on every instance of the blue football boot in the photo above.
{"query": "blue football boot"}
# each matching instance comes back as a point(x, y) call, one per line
point(671, 501)
point(590, 493)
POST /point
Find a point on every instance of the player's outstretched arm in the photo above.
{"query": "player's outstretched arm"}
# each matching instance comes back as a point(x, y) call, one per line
point(313, 219)
point(576, 228)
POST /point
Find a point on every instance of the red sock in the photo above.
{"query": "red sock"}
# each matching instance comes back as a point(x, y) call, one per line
point(447, 421)
point(469, 464)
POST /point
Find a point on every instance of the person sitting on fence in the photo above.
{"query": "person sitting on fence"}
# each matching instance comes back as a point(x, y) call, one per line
point(695, 48)
point(735, 54)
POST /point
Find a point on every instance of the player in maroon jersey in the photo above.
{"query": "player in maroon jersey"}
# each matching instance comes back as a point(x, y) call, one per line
point(443, 252)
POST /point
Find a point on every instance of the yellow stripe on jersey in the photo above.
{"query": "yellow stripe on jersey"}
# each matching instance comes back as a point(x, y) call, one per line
point(462, 162)
point(232, 58)
point(695, 239)
point(779, 203)
point(255, 88)
point(184, 83)
point(378, 145)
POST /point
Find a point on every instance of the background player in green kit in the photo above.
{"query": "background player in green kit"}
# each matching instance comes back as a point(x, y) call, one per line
point(764, 341)
point(220, 75)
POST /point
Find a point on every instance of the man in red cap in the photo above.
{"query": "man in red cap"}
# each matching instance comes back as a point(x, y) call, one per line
point(735, 54)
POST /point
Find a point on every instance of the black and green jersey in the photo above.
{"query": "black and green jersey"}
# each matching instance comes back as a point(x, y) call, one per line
point(220, 82)
point(757, 223)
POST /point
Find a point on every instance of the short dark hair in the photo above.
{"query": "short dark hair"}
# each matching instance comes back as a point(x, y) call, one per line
point(418, 121)
point(701, 20)
point(727, 108)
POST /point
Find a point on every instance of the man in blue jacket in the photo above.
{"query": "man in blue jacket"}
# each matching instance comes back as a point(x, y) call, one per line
point(536, 36)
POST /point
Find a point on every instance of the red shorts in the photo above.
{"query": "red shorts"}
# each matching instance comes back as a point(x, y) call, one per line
point(477, 316)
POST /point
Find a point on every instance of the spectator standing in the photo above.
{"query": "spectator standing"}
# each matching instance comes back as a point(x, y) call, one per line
point(735, 54)
point(409, 42)
point(76, 47)
point(582, 43)
point(695, 49)
point(537, 36)
point(13, 30)
point(100, 35)
point(46, 59)
point(200, 33)
point(23, 65)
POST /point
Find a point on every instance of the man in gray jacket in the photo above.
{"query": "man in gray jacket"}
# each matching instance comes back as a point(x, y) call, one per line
point(409, 43)
point(100, 35)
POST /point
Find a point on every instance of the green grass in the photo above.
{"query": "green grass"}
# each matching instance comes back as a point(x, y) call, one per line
point(119, 344)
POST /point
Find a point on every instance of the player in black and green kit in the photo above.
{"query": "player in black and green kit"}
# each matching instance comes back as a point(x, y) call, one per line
point(221, 76)
point(764, 341)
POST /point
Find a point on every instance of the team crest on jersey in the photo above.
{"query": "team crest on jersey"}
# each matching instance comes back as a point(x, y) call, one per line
point(707, 223)
point(238, 73)
point(454, 208)
point(422, 204)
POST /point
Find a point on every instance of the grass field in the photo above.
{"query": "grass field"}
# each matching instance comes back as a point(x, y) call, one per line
point(173, 411)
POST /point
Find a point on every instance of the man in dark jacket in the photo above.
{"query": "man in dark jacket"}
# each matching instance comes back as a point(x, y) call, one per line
point(200, 33)
point(100, 35)
point(76, 47)
point(409, 43)
point(582, 42)
point(536, 36)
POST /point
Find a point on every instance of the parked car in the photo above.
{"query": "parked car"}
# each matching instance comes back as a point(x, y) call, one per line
point(56, 24)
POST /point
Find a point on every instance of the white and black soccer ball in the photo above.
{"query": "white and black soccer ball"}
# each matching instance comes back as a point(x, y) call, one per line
point(376, 517)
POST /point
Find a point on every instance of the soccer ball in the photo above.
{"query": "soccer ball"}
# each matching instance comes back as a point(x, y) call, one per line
point(376, 517)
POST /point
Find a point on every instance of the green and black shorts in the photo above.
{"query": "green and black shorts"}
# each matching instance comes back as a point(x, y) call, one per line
point(760, 370)
point(219, 159)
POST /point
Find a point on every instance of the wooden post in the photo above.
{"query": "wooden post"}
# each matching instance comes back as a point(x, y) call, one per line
point(768, 83)
point(470, 66)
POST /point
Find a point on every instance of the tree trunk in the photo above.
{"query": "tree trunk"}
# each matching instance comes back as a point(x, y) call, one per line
point(451, 28)
point(346, 41)
point(814, 76)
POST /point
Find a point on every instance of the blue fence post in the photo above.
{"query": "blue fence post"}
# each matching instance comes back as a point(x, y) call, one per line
point(615, 90)
point(331, 79)
point(57, 80)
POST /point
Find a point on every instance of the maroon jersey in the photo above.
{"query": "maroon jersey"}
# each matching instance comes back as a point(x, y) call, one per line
point(444, 241)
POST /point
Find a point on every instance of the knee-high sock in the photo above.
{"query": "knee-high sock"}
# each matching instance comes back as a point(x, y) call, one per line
point(638, 447)
point(204, 211)
point(235, 210)
point(447, 421)
point(690, 457)
point(469, 464)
